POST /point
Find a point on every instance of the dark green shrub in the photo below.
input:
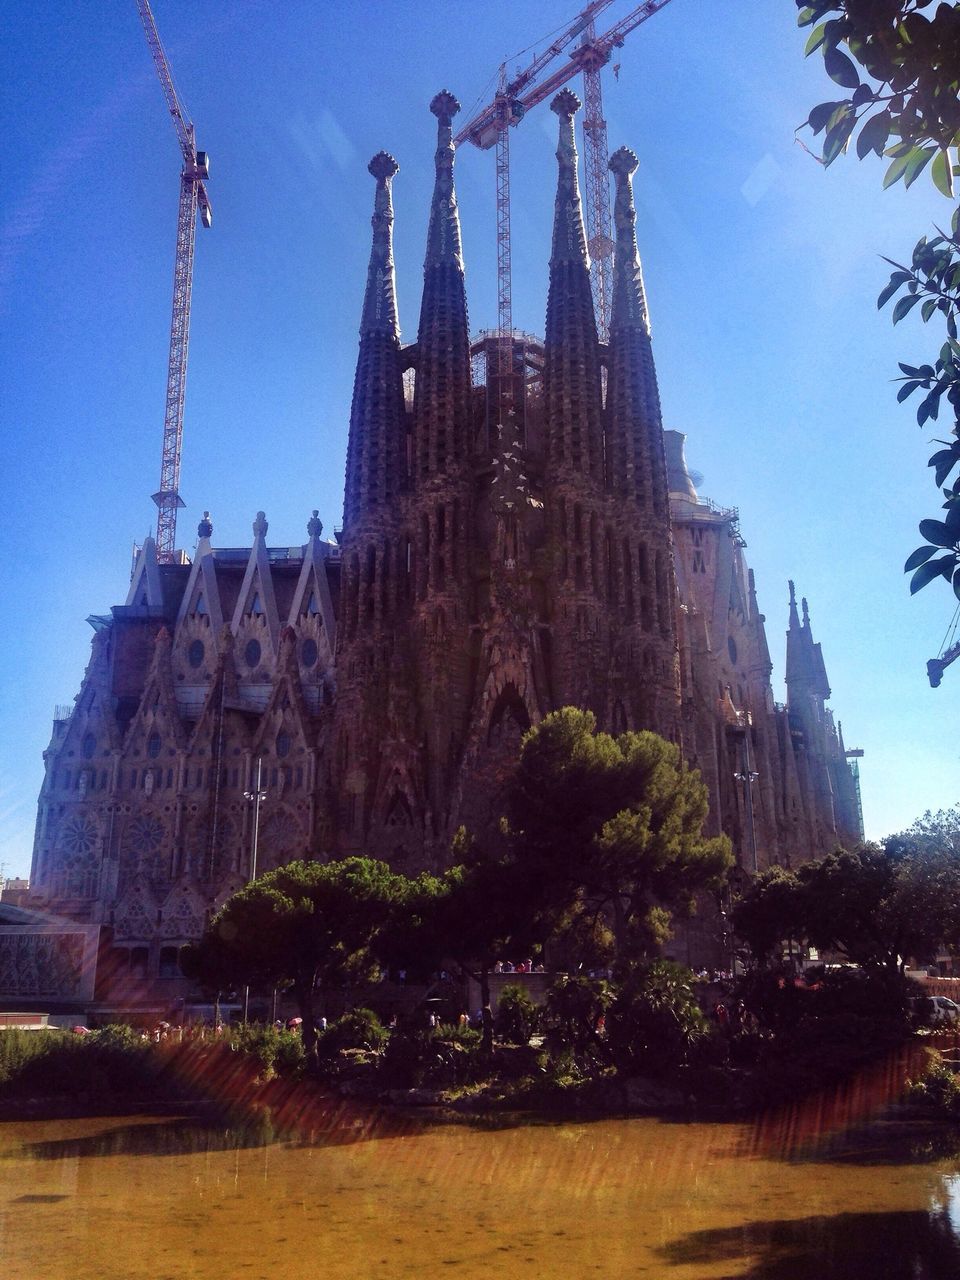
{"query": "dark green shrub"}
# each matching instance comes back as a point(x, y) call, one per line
point(17, 1048)
point(290, 1057)
point(939, 1089)
point(357, 1029)
point(517, 1015)
point(574, 1006)
point(405, 1058)
point(453, 1033)
point(655, 1021)
point(257, 1041)
point(100, 1064)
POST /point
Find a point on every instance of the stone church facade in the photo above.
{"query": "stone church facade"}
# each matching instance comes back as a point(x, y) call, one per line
point(519, 534)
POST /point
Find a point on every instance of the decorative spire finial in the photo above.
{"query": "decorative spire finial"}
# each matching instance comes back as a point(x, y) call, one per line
point(624, 162)
point(205, 527)
point(314, 525)
point(444, 106)
point(260, 525)
point(383, 166)
point(566, 103)
point(806, 611)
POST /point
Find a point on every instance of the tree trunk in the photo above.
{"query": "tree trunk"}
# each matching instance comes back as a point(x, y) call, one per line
point(486, 1042)
point(303, 991)
point(619, 927)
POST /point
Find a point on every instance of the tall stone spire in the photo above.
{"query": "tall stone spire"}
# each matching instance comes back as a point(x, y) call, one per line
point(806, 675)
point(636, 461)
point(380, 298)
point(374, 450)
point(572, 356)
point(441, 405)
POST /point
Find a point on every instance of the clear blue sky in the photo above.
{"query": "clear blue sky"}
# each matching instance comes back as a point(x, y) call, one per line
point(762, 271)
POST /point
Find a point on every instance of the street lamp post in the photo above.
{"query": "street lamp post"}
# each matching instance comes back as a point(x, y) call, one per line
point(257, 797)
point(748, 777)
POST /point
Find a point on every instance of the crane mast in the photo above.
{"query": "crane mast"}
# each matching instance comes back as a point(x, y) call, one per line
point(490, 127)
point(596, 155)
point(193, 200)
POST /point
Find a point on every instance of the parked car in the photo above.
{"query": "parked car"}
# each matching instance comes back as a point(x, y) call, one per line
point(935, 1011)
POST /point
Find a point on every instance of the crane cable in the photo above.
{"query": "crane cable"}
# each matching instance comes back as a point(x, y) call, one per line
point(950, 633)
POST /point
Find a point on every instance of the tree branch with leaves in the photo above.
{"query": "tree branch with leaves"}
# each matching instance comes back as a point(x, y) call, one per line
point(900, 59)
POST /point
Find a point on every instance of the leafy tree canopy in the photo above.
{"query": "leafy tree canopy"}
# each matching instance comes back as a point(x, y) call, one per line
point(309, 924)
point(769, 912)
point(613, 824)
point(876, 906)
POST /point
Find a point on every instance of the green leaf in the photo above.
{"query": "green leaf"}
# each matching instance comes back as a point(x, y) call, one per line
point(944, 461)
point(904, 307)
point(815, 40)
point(862, 96)
point(838, 135)
point(906, 390)
point(896, 280)
point(926, 573)
point(873, 136)
point(895, 171)
point(840, 69)
point(820, 115)
point(956, 584)
point(919, 557)
point(928, 308)
point(806, 16)
point(938, 533)
point(917, 161)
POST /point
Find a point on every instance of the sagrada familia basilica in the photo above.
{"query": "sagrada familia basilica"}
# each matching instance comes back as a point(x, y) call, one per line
point(519, 534)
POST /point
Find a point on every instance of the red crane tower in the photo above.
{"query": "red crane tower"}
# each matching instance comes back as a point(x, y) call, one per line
point(193, 200)
point(491, 124)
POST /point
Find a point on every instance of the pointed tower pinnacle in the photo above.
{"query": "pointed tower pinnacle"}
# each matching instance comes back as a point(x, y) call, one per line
point(374, 448)
point(441, 400)
point(637, 464)
point(380, 299)
point(806, 673)
point(443, 236)
point(629, 306)
point(794, 623)
point(569, 236)
point(572, 354)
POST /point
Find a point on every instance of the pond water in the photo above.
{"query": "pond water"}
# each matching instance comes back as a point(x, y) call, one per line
point(357, 1192)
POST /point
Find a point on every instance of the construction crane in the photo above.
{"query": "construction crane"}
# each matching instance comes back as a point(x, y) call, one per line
point(491, 125)
point(193, 201)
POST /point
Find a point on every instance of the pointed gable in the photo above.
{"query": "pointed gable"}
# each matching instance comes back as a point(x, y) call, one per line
point(257, 598)
point(146, 591)
point(312, 599)
point(156, 731)
point(202, 595)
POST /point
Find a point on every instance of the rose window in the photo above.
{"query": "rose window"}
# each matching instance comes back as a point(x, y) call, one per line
point(280, 835)
point(78, 835)
point(145, 833)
